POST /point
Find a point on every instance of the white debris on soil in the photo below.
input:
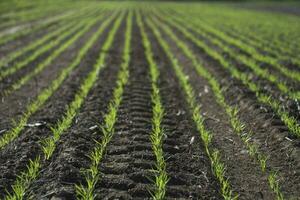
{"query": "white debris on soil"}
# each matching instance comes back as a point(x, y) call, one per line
point(206, 90)
point(180, 112)
point(243, 151)
point(93, 127)
point(289, 139)
point(36, 124)
point(228, 139)
point(2, 131)
point(263, 108)
point(192, 140)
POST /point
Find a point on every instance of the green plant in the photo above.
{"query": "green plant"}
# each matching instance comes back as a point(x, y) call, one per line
point(45, 94)
point(217, 166)
point(157, 135)
point(207, 31)
point(49, 144)
point(53, 32)
point(61, 36)
point(290, 121)
point(86, 192)
point(232, 112)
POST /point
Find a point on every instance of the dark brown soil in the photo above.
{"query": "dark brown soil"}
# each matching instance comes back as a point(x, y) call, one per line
point(130, 148)
point(13, 105)
point(26, 39)
point(22, 41)
point(268, 88)
point(71, 155)
point(242, 172)
point(27, 145)
point(270, 134)
point(187, 164)
point(127, 166)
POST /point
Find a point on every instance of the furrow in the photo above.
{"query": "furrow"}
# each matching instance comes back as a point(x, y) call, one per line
point(82, 27)
point(130, 146)
point(44, 95)
point(48, 61)
point(264, 73)
point(289, 104)
point(187, 164)
point(118, 100)
point(268, 155)
point(49, 144)
point(6, 60)
point(91, 174)
point(27, 145)
point(245, 43)
point(24, 37)
point(64, 170)
point(157, 135)
point(239, 143)
point(289, 120)
point(9, 58)
point(214, 155)
point(13, 105)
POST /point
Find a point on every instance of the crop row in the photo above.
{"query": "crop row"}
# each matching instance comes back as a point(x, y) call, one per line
point(263, 38)
point(263, 29)
point(160, 24)
point(289, 120)
point(276, 50)
point(205, 29)
point(251, 63)
point(157, 135)
point(232, 112)
point(75, 32)
point(30, 16)
point(60, 19)
point(64, 25)
point(44, 95)
point(282, 54)
point(107, 128)
point(60, 33)
point(48, 145)
point(214, 155)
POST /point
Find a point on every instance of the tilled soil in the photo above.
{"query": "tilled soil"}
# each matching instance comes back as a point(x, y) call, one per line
point(270, 134)
point(187, 162)
point(126, 170)
point(242, 171)
point(13, 105)
point(27, 145)
point(75, 144)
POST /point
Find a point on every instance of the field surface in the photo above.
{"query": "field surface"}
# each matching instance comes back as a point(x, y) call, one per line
point(159, 101)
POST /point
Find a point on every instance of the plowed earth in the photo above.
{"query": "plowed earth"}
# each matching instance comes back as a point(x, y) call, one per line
point(126, 169)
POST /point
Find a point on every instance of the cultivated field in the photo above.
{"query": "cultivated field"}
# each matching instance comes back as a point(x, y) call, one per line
point(159, 101)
